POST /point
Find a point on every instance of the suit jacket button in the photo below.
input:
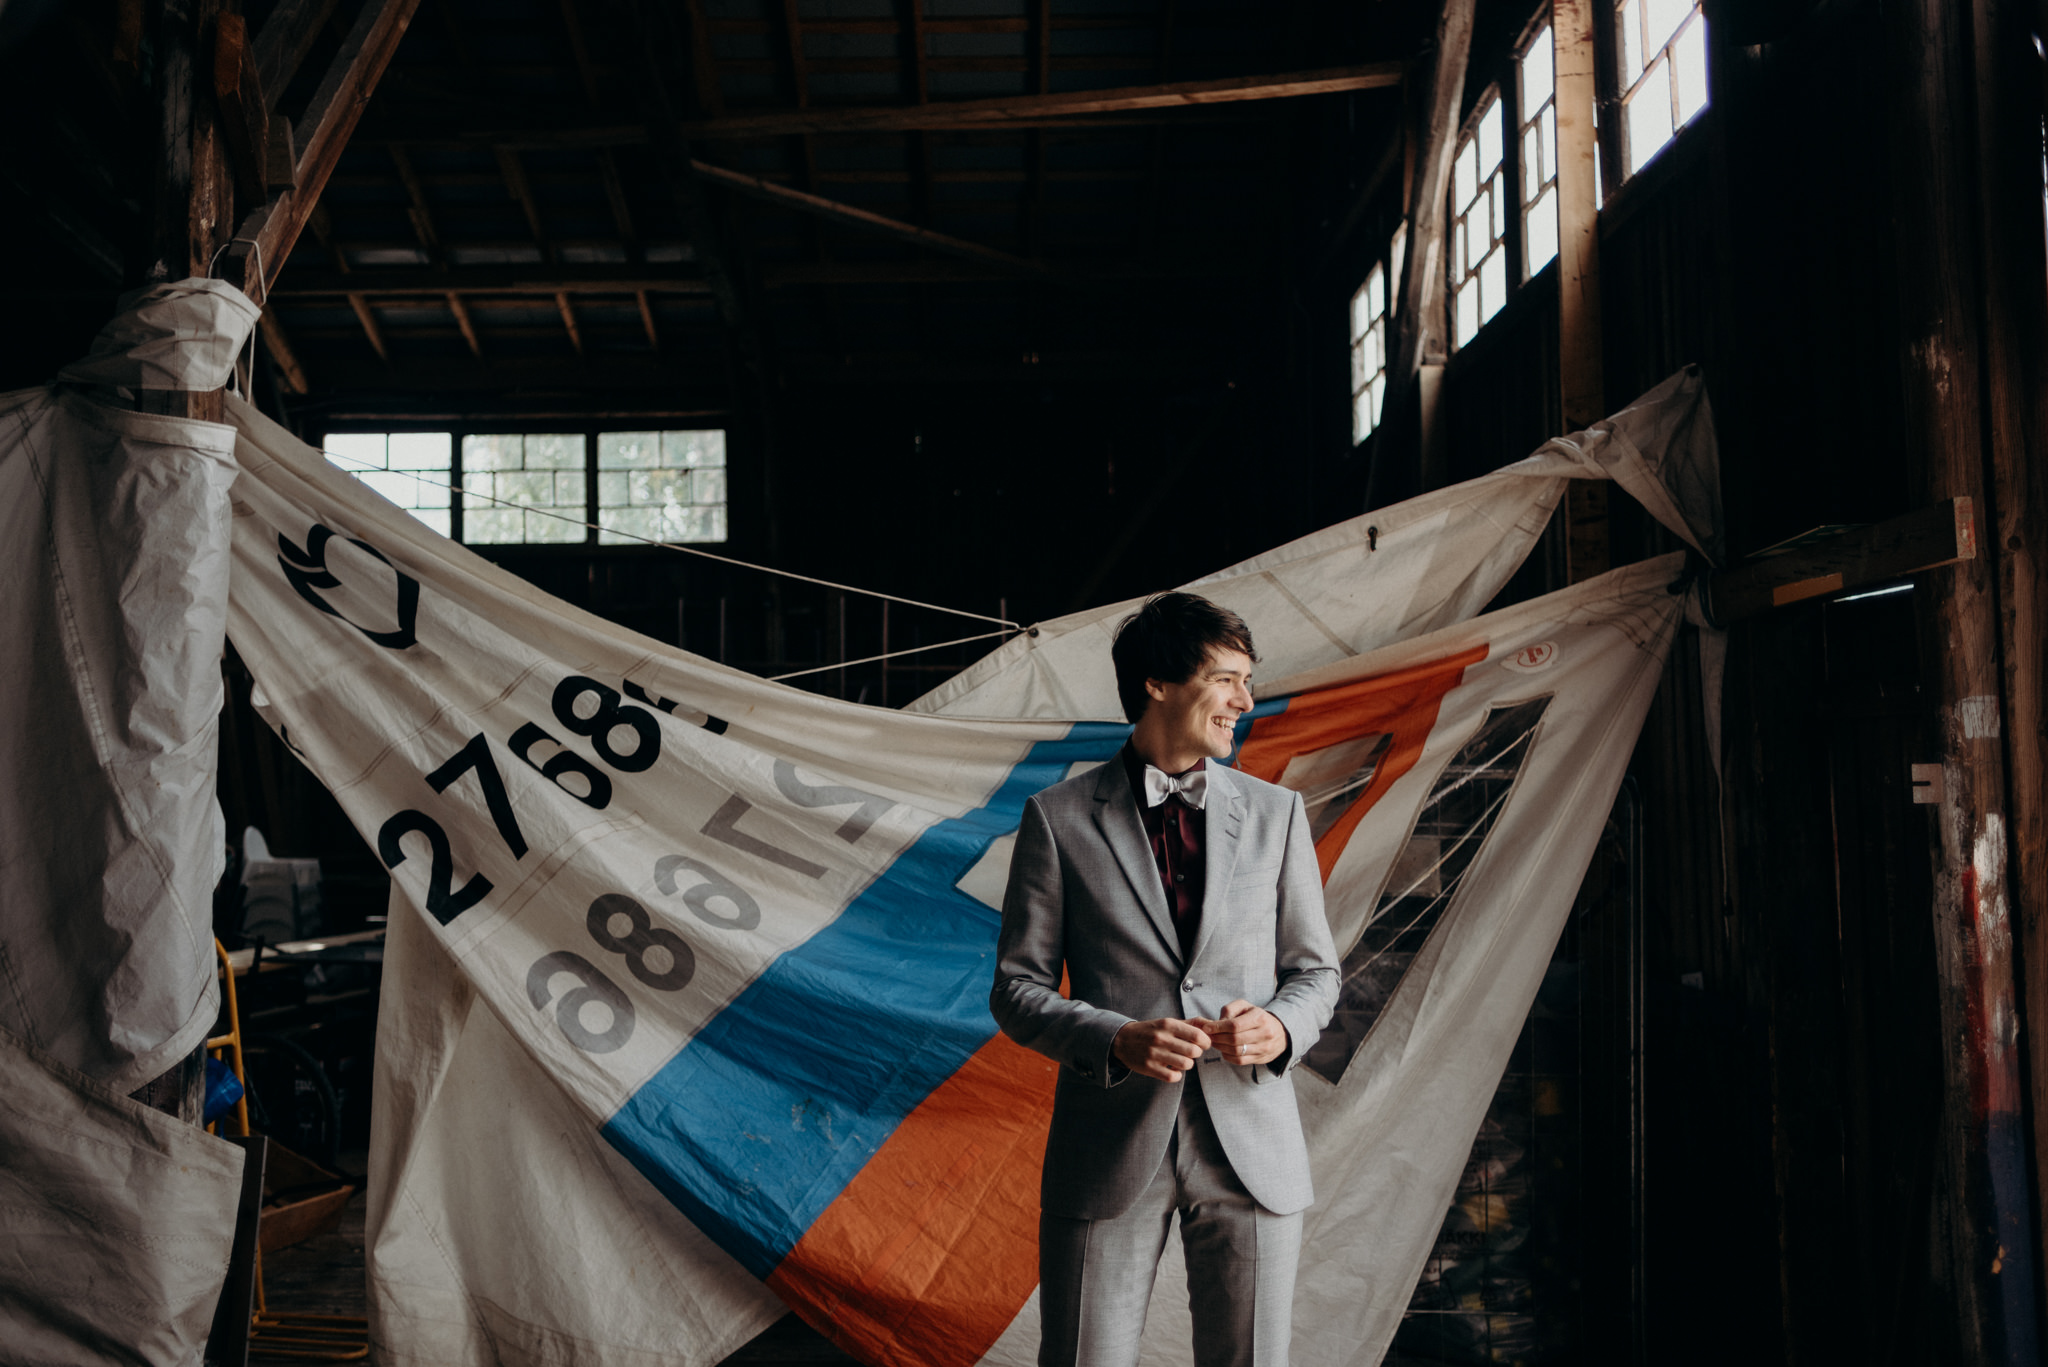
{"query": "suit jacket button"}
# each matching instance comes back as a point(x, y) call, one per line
point(1188, 986)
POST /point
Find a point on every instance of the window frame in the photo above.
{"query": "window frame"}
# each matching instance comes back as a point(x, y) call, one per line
point(1541, 27)
point(588, 433)
point(1509, 240)
point(1617, 150)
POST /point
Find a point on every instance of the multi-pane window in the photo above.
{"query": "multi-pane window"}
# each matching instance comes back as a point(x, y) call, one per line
point(1368, 353)
point(1478, 264)
point(412, 469)
point(523, 488)
point(1538, 69)
point(1663, 72)
point(663, 486)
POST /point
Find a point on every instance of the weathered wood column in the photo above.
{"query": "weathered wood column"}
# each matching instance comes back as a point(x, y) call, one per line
point(1580, 368)
point(194, 198)
point(1964, 128)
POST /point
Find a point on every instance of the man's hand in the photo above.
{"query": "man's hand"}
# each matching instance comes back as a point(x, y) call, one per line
point(1246, 1033)
point(1161, 1049)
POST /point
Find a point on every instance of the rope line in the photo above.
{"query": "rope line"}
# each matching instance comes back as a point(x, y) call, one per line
point(708, 555)
point(870, 659)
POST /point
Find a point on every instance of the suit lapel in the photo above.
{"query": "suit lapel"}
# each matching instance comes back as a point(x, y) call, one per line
point(1116, 816)
point(1222, 818)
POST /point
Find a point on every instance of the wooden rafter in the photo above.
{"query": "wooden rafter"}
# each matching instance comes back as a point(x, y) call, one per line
point(1155, 169)
point(615, 195)
point(647, 319)
point(371, 329)
point(521, 191)
point(1008, 111)
point(468, 325)
point(586, 71)
point(284, 40)
point(424, 126)
point(832, 209)
point(516, 280)
point(421, 215)
point(324, 130)
point(283, 353)
point(703, 65)
point(569, 322)
point(1034, 152)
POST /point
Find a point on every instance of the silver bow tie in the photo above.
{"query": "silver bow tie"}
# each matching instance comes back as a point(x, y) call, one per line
point(1193, 786)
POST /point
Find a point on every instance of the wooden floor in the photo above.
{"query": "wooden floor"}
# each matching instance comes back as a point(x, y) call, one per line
point(326, 1276)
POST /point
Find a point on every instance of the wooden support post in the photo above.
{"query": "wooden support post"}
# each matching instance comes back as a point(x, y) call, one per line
point(194, 189)
point(1578, 275)
point(1958, 118)
point(2008, 105)
point(1399, 454)
point(244, 114)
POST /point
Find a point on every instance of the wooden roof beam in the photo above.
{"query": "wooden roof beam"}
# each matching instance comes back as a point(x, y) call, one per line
point(703, 64)
point(1019, 110)
point(281, 45)
point(467, 324)
point(832, 209)
point(473, 280)
point(516, 184)
point(421, 215)
point(569, 322)
point(268, 235)
point(367, 316)
point(286, 357)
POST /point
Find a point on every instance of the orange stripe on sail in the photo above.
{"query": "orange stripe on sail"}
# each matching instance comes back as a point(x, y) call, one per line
point(1402, 704)
point(932, 1249)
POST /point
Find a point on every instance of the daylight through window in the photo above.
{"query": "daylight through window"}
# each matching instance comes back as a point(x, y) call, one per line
point(1368, 353)
point(1539, 153)
point(412, 469)
point(511, 484)
point(536, 487)
point(664, 486)
point(1478, 262)
point(1663, 72)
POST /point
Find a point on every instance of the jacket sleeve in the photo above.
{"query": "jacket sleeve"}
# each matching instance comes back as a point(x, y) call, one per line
point(1031, 959)
point(1306, 957)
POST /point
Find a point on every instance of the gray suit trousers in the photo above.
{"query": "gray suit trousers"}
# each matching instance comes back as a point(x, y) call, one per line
point(1095, 1276)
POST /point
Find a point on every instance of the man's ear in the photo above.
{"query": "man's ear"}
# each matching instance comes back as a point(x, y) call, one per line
point(1155, 690)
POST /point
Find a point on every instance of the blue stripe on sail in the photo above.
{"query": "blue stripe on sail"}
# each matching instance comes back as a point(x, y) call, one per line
point(767, 1113)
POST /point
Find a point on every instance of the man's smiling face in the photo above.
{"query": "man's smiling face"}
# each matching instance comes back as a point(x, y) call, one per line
point(1185, 722)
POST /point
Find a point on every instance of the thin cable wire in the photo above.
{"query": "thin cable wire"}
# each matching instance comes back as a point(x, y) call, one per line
point(868, 660)
point(692, 550)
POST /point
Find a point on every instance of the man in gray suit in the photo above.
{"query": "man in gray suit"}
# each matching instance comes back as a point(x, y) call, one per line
point(1182, 903)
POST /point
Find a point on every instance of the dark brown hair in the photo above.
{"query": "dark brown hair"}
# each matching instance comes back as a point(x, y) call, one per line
point(1168, 639)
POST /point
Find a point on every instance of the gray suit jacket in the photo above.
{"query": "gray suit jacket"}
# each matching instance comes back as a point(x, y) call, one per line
point(1084, 897)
